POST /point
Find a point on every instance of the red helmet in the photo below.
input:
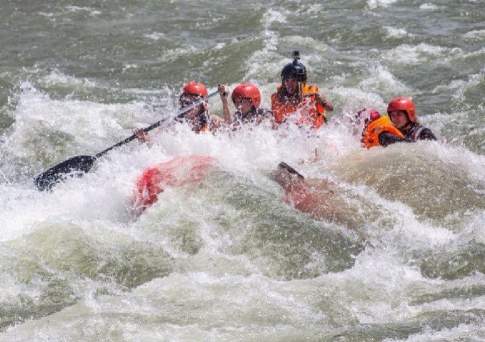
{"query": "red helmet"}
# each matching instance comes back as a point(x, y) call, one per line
point(374, 114)
point(369, 114)
point(194, 88)
point(405, 104)
point(248, 91)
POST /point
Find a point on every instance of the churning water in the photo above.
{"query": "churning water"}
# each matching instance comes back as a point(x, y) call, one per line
point(228, 260)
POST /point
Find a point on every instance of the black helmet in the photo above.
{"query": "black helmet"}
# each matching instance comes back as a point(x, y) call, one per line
point(294, 69)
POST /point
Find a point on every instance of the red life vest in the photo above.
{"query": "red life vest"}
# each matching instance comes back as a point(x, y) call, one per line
point(307, 106)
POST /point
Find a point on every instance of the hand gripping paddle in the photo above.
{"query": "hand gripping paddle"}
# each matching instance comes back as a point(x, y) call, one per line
point(79, 165)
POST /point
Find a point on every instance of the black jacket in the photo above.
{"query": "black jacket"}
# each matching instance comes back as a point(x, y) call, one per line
point(415, 133)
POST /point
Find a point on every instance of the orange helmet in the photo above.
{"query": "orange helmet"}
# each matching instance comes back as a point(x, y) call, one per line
point(405, 104)
point(195, 88)
point(247, 91)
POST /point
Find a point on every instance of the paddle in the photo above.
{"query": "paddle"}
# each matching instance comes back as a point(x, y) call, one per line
point(77, 166)
point(291, 170)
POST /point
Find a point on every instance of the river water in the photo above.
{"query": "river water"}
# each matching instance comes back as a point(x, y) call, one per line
point(228, 260)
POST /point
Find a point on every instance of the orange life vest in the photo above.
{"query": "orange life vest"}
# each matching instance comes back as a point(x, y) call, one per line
point(311, 111)
point(370, 135)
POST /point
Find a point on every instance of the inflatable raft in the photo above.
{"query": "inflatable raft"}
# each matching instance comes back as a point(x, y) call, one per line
point(176, 172)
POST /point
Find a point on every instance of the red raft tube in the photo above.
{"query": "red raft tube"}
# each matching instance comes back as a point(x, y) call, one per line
point(175, 172)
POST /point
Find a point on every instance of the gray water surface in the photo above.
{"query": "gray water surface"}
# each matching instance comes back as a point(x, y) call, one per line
point(228, 260)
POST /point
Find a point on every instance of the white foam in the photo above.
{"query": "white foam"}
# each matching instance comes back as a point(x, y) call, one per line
point(414, 54)
point(474, 35)
point(173, 54)
point(85, 122)
point(460, 332)
point(221, 287)
point(460, 158)
point(373, 4)
point(394, 32)
point(358, 98)
point(428, 7)
point(47, 14)
point(257, 64)
point(155, 35)
point(311, 44)
point(313, 9)
point(382, 79)
point(77, 9)
point(56, 77)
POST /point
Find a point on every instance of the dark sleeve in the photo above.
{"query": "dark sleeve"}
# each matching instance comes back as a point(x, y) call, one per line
point(426, 134)
point(388, 139)
point(268, 113)
point(263, 113)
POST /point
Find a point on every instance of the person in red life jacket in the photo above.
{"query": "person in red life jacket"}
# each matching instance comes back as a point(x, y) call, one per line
point(246, 97)
point(378, 130)
point(402, 112)
point(295, 97)
point(180, 171)
point(198, 117)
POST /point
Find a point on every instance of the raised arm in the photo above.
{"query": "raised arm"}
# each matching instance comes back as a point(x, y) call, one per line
point(325, 102)
point(225, 105)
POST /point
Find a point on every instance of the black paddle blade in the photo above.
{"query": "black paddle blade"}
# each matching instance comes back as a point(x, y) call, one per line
point(291, 170)
point(76, 166)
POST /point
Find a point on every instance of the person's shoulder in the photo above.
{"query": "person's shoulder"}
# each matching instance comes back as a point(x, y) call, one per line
point(279, 92)
point(418, 129)
point(419, 132)
point(425, 133)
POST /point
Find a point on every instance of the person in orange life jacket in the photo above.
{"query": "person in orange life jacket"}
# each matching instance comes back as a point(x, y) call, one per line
point(294, 95)
point(198, 118)
point(246, 97)
point(402, 112)
point(378, 130)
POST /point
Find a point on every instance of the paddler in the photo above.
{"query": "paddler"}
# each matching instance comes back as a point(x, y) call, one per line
point(246, 97)
point(198, 117)
point(402, 112)
point(295, 98)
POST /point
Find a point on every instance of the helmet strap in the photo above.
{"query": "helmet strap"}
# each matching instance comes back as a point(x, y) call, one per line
point(300, 90)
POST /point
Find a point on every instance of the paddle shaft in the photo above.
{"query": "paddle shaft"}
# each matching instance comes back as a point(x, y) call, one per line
point(81, 164)
point(180, 114)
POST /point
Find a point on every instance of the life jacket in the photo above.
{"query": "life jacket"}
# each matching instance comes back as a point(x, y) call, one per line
point(311, 111)
point(418, 132)
point(370, 135)
point(414, 133)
